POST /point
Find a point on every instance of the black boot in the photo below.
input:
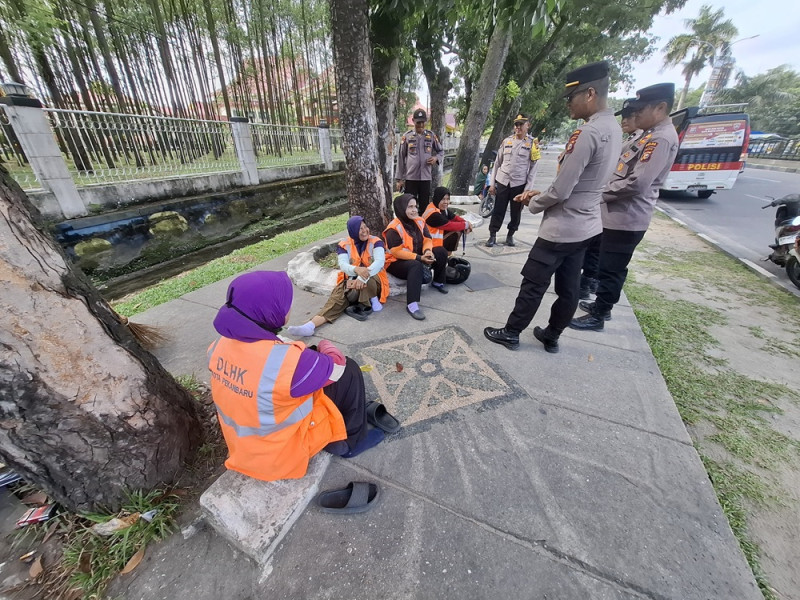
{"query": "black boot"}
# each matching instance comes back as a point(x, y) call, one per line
point(594, 321)
point(510, 239)
point(589, 308)
point(502, 337)
point(548, 337)
point(491, 241)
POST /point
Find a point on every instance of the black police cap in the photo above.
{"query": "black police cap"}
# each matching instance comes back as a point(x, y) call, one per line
point(653, 94)
point(627, 109)
point(579, 79)
point(420, 115)
point(521, 118)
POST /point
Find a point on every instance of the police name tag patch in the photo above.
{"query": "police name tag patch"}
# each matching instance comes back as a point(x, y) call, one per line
point(648, 151)
point(571, 143)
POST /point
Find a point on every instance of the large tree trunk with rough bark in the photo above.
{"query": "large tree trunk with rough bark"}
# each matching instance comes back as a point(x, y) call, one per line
point(363, 173)
point(466, 163)
point(386, 81)
point(85, 412)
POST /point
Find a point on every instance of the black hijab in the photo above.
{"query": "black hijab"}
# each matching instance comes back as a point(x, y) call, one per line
point(400, 207)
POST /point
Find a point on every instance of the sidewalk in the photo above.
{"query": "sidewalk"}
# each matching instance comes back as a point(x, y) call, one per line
point(517, 474)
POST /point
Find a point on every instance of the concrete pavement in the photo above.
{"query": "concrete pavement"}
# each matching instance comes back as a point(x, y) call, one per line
point(517, 474)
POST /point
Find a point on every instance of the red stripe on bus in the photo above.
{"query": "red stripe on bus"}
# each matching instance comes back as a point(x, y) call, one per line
point(714, 166)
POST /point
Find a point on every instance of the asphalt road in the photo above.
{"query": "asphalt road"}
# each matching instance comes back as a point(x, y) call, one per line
point(734, 218)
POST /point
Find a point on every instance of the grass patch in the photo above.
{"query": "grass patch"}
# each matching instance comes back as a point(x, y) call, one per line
point(234, 263)
point(734, 487)
point(90, 561)
point(706, 390)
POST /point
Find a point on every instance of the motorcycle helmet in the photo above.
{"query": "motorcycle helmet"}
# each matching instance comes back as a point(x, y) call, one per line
point(457, 270)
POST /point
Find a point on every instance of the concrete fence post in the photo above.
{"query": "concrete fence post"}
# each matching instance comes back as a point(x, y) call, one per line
point(38, 142)
point(243, 141)
point(325, 144)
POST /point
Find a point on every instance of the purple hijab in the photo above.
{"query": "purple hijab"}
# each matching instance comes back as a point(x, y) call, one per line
point(256, 306)
point(353, 226)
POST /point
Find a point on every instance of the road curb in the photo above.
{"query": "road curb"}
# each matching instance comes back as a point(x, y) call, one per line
point(763, 273)
point(780, 168)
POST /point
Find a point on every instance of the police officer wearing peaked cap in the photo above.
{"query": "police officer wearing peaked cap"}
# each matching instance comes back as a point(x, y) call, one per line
point(513, 173)
point(591, 260)
point(630, 197)
point(419, 151)
point(570, 211)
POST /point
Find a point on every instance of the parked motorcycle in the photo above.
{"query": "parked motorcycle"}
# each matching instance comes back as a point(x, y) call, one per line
point(786, 248)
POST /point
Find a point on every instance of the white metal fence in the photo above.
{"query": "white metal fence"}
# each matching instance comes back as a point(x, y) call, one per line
point(281, 145)
point(12, 156)
point(102, 147)
point(111, 147)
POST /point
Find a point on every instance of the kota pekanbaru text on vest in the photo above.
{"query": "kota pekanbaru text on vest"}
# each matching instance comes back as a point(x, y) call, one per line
point(228, 372)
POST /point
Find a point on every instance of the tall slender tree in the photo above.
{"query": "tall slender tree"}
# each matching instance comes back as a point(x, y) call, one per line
point(707, 34)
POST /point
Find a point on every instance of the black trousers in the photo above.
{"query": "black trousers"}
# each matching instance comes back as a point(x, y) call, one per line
point(411, 271)
point(350, 397)
point(421, 190)
point(503, 197)
point(591, 260)
point(616, 250)
point(546, 259)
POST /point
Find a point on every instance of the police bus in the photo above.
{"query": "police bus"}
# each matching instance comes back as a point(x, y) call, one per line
point(712, 148)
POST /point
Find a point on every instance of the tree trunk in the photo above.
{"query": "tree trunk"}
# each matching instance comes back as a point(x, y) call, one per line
point(467, 156)
point(387, 40)
point(684, 91)
point(212, 32)
point(8, 58)
point(85, 412)
point(351, 51)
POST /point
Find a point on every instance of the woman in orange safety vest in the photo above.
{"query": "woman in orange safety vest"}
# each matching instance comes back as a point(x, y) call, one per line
point(445, 226)
point(362, 285)
point(280, 403)
point(409, 248)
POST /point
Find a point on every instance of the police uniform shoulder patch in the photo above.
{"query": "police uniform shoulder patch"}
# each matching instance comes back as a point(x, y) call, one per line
point(643, 140)
point(648, 151)
point(571, 143)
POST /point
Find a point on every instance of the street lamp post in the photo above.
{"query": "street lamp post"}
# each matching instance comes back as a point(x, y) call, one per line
point(721, 69)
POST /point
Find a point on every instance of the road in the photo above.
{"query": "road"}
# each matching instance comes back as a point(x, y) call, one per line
point(734, 218)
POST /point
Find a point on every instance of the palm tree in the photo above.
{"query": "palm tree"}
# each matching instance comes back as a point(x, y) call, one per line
point(708, 32)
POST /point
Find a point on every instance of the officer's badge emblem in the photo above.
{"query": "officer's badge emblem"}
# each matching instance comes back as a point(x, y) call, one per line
point(648, 151)
point(571, 143)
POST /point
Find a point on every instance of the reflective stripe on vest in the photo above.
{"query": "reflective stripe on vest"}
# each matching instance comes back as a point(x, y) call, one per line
point(266, 407)
point(436, 234)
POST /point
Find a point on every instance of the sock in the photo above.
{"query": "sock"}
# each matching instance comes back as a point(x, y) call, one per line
point(376, 304)
point(413, 307)
point(301, 330)
point(372, 439)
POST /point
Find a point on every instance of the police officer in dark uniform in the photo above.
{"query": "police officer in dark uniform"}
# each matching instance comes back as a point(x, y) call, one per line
point(570, 209)
point(630, 198)
point(591, 261)
point(419, 151)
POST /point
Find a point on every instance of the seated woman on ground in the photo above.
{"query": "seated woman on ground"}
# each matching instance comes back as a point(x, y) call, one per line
point(362, 286)
point(482, 182)
point(410, 248)
point(445, 226)
point(280, 403)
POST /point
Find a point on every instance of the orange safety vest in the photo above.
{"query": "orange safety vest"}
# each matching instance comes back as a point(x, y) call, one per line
point(365, 260)
point(269, 434)
point(408, 241)
point(436, 234)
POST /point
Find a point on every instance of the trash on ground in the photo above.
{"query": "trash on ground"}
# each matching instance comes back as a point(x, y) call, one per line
point(7, 477)
point(115, 524)
point(38, 514)
point(150, 515)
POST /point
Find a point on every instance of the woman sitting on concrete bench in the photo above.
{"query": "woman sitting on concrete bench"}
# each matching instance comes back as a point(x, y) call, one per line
point(362, 285)
point(280, 403)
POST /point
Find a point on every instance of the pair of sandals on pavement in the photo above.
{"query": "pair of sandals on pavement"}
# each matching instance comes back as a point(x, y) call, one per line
point(360, 496)
point(358, 311)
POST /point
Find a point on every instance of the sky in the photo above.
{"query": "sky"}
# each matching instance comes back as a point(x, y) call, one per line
point(776, 22)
